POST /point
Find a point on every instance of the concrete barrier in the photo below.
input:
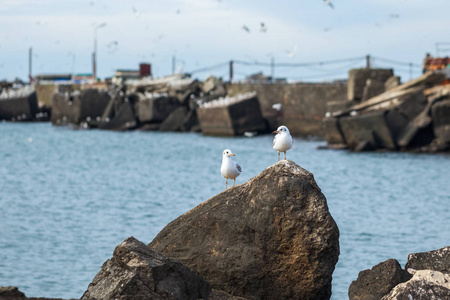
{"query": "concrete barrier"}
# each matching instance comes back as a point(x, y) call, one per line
point(232, 119)
point(302, 106)
point(21, 108)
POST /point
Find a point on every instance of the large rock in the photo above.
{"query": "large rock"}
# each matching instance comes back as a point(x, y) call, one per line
point(436, 260)
point(425, 285)
point(375, 283)
point(138, 272)
point(270, 238)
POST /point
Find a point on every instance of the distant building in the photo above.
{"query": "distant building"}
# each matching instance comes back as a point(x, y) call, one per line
point(123, 75)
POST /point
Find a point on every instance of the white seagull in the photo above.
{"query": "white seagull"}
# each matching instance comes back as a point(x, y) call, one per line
point(230, 169)
point(282, 141)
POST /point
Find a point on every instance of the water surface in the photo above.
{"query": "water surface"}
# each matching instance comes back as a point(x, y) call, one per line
point(68, 197)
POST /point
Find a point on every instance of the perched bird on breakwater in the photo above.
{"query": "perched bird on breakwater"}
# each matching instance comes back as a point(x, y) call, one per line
point(230, 169)
point(282, 141)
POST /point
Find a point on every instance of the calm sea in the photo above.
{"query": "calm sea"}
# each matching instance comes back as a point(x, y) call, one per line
point(68, 197)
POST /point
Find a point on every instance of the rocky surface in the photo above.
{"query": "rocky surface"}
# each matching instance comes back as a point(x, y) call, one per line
point(425, 285)
point(430, 272)
point(270, 238)
point(377, 282)
point(437, 260)
point(138, 272)
point(13, 293)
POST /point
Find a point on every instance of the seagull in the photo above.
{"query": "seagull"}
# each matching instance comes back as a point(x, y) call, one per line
point(263, 27)
point(282, 141)
point(246, 28)
point(329, 3)
point(290, 53)
point(229, 169)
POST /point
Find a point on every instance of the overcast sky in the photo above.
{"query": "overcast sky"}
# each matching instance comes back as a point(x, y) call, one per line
point(203, 33)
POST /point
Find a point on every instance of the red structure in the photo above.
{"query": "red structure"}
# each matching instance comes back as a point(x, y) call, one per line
point(145, 69)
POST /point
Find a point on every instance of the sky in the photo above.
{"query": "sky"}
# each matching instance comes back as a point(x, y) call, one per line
point(204, 35)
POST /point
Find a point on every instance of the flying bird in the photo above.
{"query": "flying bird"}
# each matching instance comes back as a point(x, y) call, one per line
point(229, 169)
point(291, 53)
point(136, 13)
point(263, 27)
point(282, 141)
point(329, 3)
point(246, 28)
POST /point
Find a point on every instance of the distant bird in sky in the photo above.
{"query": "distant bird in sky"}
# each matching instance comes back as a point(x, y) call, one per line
point(229, 169)
point(263, 27)
point(329, 3)
point(394, 16)
point(291, 53)
point(282, 141)
point(178, 11)
point(327, 29)
point(136, 13)
point(246, 28)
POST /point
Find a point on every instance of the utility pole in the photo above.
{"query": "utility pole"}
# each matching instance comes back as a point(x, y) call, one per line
point(30, 57)
point(231, 71)
point(368, 62)
point(272, 68)
point(94, 55)
point(173, 64)
point(410, 70)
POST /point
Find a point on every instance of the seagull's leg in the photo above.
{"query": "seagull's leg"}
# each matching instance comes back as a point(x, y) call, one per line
point(226, 183)
point(284, 155)
point(234, 182)
point(278, 155)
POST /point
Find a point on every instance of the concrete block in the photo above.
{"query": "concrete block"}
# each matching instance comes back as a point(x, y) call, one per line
point(332, 131)
point(371, 128)
point(19, 108)
point(45, 94)
point(175, 120)
point(372, 88)
point(63, 109)
point(156, 109)
point(232, 119)
point(92, 103)
point(440, 113)
point(392, 82)
point(123, 119)
point(357, 79)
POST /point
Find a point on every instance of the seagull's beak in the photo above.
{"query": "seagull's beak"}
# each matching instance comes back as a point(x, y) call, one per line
point(275, 131)
point(232, 154)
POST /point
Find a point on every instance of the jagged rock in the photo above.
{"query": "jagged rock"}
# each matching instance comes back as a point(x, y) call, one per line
point(375, 283)
point(175, 120)
point(138, 272)
point(270, 238)
point(425, 285)
point(436, 260)
point(9, 292)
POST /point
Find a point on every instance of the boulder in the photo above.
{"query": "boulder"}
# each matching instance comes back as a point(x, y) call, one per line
point(436, 260)
point(270, 238)
point(377, 282)
point(175, 120)
point(156, 109)
point(138, 272)
point(425, 285)
point(10, 292)
point(440, 113)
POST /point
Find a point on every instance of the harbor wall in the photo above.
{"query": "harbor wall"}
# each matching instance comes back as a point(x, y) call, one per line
point(303, 105)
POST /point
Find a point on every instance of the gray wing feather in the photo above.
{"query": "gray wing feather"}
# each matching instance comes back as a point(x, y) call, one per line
point(239, 168)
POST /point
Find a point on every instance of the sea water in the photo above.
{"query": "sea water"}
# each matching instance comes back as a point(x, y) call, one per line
point(69, 197)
